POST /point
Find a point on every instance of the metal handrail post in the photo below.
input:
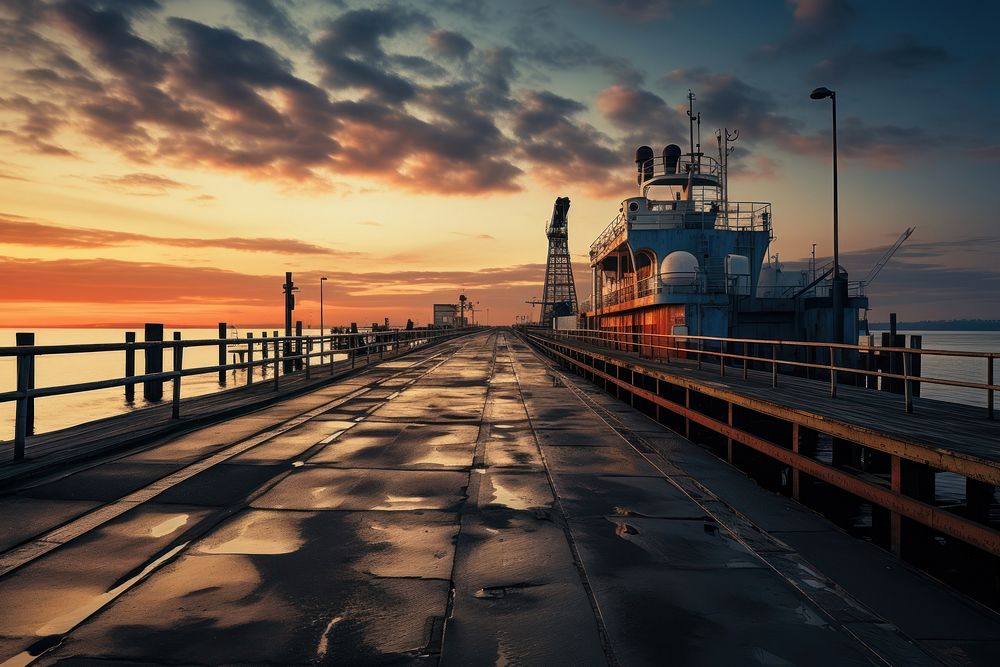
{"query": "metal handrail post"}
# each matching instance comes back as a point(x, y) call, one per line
point(178, 366)
point(722, 358)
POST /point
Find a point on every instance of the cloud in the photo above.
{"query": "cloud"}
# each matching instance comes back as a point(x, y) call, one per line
point(267, 17)
point(905, 56)
point(17, 230)
point(477, 237)
point(563, 149)
point(731, 102)
point(642, 115)
point(142, 183)
point(450, 44)
point(815, 23)
point(634, 10)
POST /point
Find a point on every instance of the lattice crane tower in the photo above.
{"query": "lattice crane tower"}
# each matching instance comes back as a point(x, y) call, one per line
point(559, 293)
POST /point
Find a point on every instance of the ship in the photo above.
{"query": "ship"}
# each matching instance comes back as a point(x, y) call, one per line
point(680, 258)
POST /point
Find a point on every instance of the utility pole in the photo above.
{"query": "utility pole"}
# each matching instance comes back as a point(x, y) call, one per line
point(322, 329)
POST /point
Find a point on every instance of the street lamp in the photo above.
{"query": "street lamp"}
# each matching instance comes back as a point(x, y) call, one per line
point(322, 328)
point(836, 289)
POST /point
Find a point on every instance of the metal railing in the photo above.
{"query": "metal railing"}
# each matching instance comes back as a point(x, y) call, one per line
point(287, 355)
point(744, 353)
point(657, 166)
point(740, 216)
point(677, 282)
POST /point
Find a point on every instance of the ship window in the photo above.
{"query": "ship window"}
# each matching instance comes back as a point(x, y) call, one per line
point(633, 206)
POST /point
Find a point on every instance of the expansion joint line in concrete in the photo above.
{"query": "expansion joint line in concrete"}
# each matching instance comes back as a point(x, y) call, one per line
point(581, 568)
point(739, 525)
point(473, 488)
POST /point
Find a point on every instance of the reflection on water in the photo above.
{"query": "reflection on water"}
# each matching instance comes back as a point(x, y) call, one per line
point(56, 412)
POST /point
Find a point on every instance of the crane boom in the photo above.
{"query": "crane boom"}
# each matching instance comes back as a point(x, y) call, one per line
point(888, 255)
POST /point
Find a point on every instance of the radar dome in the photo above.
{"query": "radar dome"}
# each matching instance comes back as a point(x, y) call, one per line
point(679, 268)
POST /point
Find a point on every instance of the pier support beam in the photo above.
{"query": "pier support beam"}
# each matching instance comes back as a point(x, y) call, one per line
point(152, 390)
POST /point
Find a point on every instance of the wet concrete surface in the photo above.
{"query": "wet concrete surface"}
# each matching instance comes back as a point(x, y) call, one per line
point(456, 507)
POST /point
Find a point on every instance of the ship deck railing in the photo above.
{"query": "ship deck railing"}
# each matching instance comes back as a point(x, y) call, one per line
point(736, 216)
point(658, 167)
point(678, 282)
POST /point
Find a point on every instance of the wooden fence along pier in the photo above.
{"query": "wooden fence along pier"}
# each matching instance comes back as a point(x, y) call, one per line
point(286, 359)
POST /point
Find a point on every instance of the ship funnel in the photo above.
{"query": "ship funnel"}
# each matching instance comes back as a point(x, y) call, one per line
point(644, 163)
point(671, 154)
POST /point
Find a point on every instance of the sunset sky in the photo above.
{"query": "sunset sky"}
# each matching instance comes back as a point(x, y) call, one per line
point(169, 160)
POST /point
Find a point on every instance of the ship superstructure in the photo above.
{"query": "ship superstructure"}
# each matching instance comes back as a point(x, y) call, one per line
point(681, 258)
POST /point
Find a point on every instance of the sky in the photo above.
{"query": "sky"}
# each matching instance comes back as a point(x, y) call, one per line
point(169, 160)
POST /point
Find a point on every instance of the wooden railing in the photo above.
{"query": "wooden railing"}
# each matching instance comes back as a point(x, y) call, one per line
point(744, 353)
point(286, 354)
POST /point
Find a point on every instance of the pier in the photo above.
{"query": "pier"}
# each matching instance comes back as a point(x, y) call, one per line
point(467, 502)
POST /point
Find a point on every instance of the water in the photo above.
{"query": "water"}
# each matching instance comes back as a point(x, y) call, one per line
point(55, 412)
point(957, 368)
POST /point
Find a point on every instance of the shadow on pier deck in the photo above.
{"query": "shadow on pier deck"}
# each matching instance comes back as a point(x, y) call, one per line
point(468, 504)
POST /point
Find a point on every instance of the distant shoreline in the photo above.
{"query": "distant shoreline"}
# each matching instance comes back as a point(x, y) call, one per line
point(941, 325)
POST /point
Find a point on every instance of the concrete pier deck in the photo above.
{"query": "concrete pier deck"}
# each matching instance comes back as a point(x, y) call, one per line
point(467, 504)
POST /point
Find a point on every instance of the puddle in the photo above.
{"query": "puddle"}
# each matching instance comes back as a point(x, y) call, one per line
point(168, 526)
point(254, 535)
point(403, 503)
point(510, 498)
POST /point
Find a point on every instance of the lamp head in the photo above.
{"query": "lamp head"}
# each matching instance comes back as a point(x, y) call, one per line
point(821, 93)
point(322, 279)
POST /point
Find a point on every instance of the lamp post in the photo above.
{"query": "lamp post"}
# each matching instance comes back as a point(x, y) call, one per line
point(837, 291)
point(322, 328)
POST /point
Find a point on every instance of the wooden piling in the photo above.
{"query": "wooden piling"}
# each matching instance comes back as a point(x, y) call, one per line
point(130, 366)
point(249, 358)
point(223, 334)
point(152, 390)
point(178, 367)
point(24, 410)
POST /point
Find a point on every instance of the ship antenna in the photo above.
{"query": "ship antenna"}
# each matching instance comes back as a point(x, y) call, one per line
point(691, 119)
point(730, 137)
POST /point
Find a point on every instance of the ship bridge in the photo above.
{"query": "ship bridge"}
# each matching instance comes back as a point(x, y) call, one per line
point(680, 240)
